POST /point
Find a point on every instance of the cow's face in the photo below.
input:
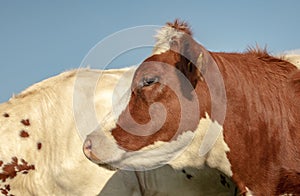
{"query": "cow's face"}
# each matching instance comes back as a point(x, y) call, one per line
point(168, 98)
point(159, 105)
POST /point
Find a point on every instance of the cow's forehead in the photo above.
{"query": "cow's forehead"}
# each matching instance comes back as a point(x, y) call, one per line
point(158, 63)
point(169, 57)
point(150, 67)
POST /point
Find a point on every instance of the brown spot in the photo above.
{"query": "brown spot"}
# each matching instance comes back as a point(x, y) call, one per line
point(24, 134)
point(6, 115)
point(1, 162)
point(39, 146)
point(7, 187)
point(24, 166)
point(25, 122)
point(10, 170)
point(4, 192)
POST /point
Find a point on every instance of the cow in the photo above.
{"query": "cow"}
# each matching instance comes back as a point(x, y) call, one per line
point(41, 143)
point(40, 150)
point(238, 113)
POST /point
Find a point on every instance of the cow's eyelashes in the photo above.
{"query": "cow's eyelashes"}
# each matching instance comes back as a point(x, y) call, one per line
point(147, 81)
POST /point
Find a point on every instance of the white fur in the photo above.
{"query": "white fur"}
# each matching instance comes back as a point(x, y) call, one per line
point(60, 166)
point(149, 157)
point(293, 58)
point(249, 193)
point(215, 158)
point(164, 37)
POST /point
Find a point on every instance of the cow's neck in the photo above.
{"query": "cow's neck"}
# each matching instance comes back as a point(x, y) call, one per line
point(197, 156)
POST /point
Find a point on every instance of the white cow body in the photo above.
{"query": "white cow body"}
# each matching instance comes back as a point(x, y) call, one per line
point(60, 167)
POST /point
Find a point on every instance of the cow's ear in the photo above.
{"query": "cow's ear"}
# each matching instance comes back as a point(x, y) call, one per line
point(194, 57)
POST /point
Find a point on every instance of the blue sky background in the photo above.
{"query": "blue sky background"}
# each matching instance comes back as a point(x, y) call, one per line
point(39, 39)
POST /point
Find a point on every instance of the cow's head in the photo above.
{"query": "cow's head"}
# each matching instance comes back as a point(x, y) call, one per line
point(168, 98)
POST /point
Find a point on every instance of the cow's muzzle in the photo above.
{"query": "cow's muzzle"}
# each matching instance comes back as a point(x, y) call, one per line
point(87, 150)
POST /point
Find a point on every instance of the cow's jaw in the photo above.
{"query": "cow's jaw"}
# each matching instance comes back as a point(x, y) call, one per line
point(106, 151)
point(181, 152)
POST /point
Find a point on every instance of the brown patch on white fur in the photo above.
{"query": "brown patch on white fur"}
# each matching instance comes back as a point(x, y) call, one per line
point(11, 170)
point(39, 145)
point(25, 122)
point(5, 190)
point(24, 133)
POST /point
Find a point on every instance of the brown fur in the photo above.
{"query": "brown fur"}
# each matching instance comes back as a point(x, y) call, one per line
point(262, 135)
point(289, 182)
point(262, 124)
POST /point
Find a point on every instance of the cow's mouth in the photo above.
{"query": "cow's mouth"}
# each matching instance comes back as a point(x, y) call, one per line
point(107, 166)
point(87, 149)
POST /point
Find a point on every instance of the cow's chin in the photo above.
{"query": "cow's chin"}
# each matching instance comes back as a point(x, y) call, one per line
point(107, 152)
point(107, 166)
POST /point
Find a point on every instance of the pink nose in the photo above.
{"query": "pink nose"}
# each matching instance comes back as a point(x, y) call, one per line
point(87, 150)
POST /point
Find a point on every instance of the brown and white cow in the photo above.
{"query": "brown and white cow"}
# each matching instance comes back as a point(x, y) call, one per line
point(189, 107)
point(41, 149)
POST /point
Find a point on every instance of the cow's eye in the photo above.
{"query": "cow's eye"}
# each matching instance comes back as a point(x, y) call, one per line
point(147, 81)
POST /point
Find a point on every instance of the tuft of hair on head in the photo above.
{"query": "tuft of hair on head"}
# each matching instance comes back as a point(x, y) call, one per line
point(258, 51)
point(168, 33)
point(180, 26)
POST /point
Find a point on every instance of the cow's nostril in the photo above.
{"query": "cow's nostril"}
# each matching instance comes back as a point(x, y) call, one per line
point(87, 147)
point(87, 150)
point(88, 144)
